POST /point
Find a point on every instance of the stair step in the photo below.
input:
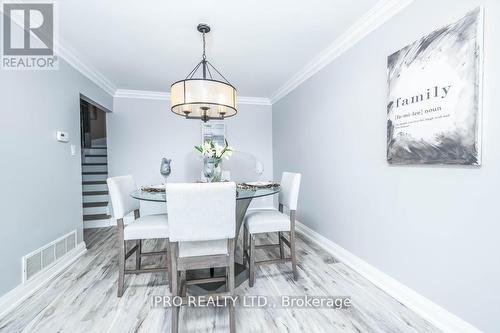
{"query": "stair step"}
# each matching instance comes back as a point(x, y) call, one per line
point(95, 210)
point(99, 186)
point(97, 151)
point(94, 182)
point(95, 173)
point(95, 204)
point(94, 217)
point(95, 155)
point(91, 159)
point(91, 178)
point(95, 167)
point(95, 193)
point(94, 163)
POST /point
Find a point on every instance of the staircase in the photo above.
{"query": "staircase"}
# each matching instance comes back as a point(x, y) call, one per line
point(94, 188)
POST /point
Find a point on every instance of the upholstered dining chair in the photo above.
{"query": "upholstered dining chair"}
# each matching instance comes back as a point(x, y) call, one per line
point(145, 227)
point(202, 227)
point(270, 220)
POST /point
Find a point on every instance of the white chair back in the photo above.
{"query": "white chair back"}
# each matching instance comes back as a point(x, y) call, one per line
point(198, 211)
point(119, 191)
point(289, 192)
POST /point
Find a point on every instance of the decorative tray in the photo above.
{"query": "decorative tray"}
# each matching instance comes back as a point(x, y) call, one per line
point(244, 186)
point(153, 188)
point(258, 185)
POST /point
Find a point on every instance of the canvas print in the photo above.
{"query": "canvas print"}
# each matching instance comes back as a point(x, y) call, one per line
point(214, 131)
point(434, 97)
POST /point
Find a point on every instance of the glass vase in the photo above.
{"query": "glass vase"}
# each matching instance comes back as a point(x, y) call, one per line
point(212, 169)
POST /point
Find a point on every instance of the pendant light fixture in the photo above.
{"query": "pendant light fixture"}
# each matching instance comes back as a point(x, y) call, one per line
point(203, 97)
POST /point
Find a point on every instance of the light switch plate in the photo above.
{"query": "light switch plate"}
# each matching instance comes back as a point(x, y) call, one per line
point(73, 150)
point(62, 136)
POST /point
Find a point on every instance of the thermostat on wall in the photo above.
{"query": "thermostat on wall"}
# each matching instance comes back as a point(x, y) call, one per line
point(62, 136)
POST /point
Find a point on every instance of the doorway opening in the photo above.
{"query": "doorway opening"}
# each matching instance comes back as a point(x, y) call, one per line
point(95, 196)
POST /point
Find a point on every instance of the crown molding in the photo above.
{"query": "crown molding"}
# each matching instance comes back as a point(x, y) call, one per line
point(142, 94)
point(158, 95)
point(86, 69)
point(254, 100)
point(374, 18)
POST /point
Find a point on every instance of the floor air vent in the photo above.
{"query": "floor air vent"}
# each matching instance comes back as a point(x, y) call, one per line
point(47, 255)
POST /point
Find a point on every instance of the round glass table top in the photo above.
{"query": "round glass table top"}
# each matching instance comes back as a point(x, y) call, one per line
point(240, 194)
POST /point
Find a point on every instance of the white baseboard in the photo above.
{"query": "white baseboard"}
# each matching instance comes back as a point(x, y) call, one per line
point(20, 293)
point(436, 315)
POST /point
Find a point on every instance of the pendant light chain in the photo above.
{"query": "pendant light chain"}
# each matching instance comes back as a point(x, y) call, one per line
point(204, 60)
point(205, 65)
point(204, 45)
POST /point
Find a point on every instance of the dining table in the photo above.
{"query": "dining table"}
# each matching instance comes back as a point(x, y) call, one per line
point(244, 196)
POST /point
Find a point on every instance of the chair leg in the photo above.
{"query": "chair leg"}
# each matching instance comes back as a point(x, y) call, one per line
point(182, 284)
point(175, 320)
point(121, 258)
point(169, 266)
point(252, 261)
point(138, 254)
point(292, 246)
point(245, 244)
point(175, 288)
point(227, 278)
point(121, 271)
point(282, 245)
point(230, 283)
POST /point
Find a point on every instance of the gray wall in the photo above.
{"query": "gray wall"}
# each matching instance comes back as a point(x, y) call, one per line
point(142, 131)
point(435, 229)
point(40, 181)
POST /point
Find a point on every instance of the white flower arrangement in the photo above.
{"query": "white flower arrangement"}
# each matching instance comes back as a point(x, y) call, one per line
point(212, 150)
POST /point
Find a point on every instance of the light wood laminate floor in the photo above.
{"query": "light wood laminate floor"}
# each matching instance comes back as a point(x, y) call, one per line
point(83, 298)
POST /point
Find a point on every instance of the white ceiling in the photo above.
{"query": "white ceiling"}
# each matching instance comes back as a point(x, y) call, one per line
point(258, 45)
